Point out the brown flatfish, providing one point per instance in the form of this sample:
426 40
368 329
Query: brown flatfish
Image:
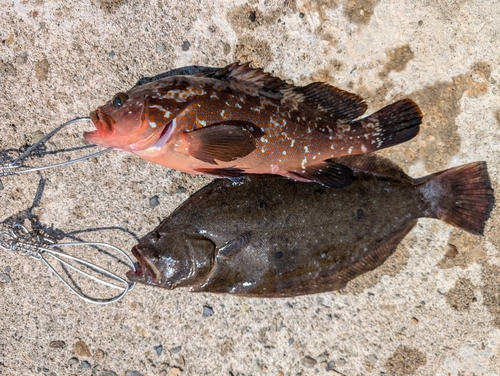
268 236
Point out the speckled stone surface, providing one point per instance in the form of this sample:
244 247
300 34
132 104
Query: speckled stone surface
421 313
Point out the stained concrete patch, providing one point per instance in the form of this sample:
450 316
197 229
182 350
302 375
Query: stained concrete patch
462 295
491 291
328 74
405 361
438 140
320 7
109 6
470 250
449 9
42 69
359 11
10 39
397 58
245 18
249 17
249 48
7 69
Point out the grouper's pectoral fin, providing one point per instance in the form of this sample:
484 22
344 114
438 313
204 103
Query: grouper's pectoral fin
224 143
328 173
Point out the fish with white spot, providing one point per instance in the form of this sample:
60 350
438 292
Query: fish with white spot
216 122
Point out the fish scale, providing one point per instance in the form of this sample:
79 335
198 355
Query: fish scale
239 120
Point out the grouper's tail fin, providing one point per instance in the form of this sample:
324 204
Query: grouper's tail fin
392 125
461 196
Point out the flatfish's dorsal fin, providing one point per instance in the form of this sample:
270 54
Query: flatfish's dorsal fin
373 164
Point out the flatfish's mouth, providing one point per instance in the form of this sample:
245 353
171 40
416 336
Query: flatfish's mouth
137 275
145 271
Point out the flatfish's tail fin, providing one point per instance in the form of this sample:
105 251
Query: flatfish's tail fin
392 125
461 196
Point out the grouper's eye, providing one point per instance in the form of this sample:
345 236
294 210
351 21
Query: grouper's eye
119 99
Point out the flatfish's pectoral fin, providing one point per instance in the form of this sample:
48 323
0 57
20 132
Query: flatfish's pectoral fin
373 258
220 143
226 273
328 173
234 246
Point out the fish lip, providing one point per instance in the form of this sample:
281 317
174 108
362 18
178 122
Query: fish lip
93 135
144 272
103 124
136 275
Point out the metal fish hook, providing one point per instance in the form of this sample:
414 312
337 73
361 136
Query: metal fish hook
19 238
16 166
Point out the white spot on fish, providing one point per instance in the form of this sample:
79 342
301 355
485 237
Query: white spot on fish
349 151
152 124
284 152
306 149
364 149
157 107
293 142
222 113
237 105
203 123
344 127
274 169
304 161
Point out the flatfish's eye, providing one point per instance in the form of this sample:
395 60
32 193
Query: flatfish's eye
119 99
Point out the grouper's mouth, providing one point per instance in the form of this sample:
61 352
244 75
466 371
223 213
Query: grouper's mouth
146 271
103 124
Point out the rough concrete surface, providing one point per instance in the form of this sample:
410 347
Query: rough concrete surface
421 313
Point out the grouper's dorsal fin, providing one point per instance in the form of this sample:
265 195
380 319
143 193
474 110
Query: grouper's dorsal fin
331 102
374 164
264 82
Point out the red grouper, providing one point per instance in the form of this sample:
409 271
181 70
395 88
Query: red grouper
268 236
238 120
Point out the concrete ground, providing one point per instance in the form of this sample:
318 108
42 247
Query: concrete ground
421 313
